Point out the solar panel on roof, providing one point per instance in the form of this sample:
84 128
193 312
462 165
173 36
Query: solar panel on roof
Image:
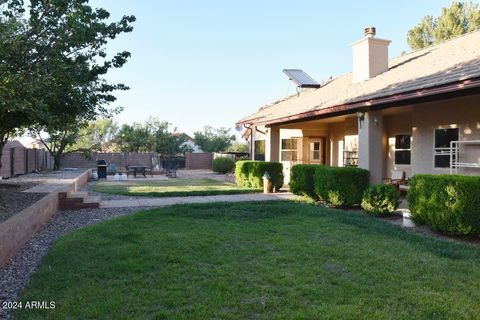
302 79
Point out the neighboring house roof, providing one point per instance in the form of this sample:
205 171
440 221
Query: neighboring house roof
176 134
452 65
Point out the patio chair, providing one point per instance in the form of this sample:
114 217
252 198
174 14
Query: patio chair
111 169
396 179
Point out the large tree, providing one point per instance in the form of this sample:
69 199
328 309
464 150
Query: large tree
459 18
78 136
214 140
53 79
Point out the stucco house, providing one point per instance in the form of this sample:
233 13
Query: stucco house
418 113
189 142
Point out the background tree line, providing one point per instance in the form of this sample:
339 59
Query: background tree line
153 135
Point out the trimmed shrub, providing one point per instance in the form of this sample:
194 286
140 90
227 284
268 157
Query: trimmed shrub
447 203
341 186
380 199
302 180
249 173
223 165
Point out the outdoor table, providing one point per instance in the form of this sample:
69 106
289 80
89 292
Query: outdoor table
138 169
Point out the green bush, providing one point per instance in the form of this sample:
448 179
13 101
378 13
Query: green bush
223 165
380 199
249 173
446 203
341 186
302 180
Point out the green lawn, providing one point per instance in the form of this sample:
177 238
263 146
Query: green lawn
170 187
274 260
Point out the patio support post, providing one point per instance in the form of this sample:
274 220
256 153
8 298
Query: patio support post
370 147
272 144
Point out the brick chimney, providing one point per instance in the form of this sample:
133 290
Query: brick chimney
370 56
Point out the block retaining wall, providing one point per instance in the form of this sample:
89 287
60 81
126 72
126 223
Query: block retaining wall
19 229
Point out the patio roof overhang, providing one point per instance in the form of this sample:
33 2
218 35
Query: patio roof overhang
446 91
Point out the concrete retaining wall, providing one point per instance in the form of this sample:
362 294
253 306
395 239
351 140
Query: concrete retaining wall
19 229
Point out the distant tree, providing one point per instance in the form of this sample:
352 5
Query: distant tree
152 135
214 140
135 138
454 21
98 136
238 146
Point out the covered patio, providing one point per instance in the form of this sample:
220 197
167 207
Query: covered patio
435 137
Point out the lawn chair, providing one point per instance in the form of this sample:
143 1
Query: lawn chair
396 179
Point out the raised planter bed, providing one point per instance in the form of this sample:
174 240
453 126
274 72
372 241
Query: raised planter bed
18 229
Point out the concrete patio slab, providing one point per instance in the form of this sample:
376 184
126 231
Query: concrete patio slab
161 202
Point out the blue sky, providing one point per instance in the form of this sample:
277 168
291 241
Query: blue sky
197 63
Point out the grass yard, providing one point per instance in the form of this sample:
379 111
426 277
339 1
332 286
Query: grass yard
170 187
273 260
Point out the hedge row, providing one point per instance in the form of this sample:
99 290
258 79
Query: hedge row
337 186
446 203
302 180
249 173
341 186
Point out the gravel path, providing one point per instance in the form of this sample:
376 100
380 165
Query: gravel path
15 275
13 200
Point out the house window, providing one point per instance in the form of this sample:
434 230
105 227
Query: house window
289 150
315 151
403 149
259 150
443 137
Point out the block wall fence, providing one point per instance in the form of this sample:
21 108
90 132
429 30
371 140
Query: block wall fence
17 160
20 160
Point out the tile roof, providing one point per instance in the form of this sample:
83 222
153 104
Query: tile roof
449 62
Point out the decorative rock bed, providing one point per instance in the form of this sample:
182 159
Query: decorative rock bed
13 200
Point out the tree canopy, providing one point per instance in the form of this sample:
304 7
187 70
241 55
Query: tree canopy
459 18
214 139
53 62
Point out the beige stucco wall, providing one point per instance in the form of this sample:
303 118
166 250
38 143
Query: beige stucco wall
462 113
421 121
